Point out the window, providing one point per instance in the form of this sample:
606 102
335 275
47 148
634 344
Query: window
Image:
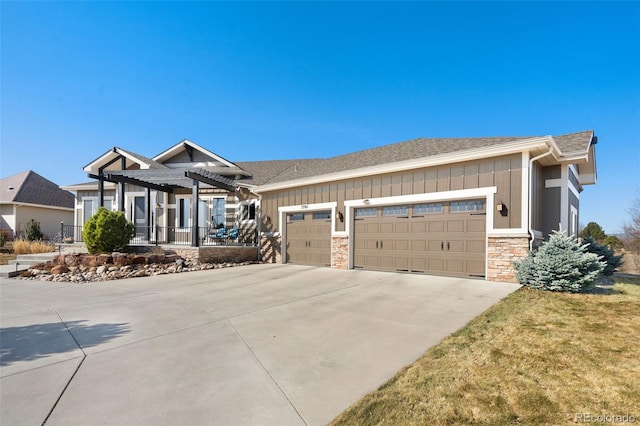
248 211
321 215
466 206
367 212
219 214
296 216
395 211
90 207
427 208
183 213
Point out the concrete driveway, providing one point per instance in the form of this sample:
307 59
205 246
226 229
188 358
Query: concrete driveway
259 344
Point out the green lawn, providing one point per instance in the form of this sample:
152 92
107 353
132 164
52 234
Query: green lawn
534 358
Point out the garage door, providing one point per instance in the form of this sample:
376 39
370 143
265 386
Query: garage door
435 238
309 238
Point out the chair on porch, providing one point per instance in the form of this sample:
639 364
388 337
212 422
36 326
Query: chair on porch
233 234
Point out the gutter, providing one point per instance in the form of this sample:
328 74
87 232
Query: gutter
549 152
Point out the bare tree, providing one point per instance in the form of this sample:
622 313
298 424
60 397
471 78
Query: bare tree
632 232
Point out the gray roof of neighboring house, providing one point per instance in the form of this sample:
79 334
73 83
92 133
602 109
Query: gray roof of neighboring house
31 188
283 170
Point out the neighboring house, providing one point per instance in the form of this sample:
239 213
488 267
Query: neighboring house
457 207
27 196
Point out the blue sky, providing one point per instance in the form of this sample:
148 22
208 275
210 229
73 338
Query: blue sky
267 80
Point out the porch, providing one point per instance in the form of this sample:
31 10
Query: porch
177 236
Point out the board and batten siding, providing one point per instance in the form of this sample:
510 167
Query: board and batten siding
505 173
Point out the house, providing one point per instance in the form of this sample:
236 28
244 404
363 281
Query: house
28 196
457 207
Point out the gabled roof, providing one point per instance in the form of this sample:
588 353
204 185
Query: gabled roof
31 188
208 159
111 160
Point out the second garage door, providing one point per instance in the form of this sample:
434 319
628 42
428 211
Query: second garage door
309 238
435 238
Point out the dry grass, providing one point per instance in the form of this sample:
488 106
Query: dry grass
32 247
534 358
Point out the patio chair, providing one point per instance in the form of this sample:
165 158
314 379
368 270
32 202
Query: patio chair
234 233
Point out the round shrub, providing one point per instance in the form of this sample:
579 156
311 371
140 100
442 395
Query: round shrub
559 264
107 231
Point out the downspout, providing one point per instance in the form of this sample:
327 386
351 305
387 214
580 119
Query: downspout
531 235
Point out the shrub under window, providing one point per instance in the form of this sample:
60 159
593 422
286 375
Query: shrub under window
107 231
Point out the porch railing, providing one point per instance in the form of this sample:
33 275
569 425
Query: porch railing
156 235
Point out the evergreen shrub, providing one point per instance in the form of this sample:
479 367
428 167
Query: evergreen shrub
605 253
32 231
559 264
107 231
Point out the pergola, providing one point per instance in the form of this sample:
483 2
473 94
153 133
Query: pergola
164 180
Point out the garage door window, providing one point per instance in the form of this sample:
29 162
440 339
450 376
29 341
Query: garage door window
427 208
296 216
395 211
368 212
466 206
321 215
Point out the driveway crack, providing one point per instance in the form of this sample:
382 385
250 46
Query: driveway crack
264 367
84 356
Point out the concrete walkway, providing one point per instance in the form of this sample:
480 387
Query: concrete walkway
259 344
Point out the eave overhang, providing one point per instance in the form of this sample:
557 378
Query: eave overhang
534 145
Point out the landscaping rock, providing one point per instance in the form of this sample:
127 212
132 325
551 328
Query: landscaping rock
59 269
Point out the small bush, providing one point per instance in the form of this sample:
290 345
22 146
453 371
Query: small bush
605 253
560 264
32 231
21 246
107 231
3 238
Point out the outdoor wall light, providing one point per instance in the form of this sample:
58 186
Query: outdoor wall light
339 216
366 202
502 208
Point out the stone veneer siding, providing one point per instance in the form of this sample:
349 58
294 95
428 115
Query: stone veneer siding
502 250
270 248
340 252
218 254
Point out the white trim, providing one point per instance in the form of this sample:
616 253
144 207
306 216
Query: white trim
508 231
89 186
486 192
524 190
587 179
435 160
564 197
573 189
553 183
302 208
573 230
42 206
